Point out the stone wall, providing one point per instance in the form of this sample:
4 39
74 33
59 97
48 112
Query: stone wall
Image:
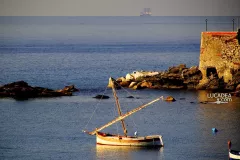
218 58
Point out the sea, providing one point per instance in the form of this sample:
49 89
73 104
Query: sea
54 52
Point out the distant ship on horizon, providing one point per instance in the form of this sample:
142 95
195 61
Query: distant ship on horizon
146 12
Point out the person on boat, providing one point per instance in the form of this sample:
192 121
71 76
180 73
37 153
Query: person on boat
136 134
235 37
229 144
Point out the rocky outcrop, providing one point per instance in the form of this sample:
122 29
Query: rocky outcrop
215 83
112 82
179 77
21 90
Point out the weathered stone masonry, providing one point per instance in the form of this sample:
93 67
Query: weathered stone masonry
218 57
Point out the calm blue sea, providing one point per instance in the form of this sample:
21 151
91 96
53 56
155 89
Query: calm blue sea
85 51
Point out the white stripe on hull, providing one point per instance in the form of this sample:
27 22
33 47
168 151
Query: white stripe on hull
234 156
129 141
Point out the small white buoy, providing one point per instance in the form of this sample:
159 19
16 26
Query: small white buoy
136 134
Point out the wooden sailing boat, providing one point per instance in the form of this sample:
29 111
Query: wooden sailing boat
125 140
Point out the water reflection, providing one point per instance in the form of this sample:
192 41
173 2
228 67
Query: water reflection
128 152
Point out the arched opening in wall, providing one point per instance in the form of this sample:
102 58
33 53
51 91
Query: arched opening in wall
211 72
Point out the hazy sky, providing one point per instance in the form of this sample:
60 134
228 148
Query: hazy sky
119 7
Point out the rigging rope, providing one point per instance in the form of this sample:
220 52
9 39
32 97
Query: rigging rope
126 91
114 114
95 108
135 126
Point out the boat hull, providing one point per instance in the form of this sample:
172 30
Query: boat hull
234 154
115 140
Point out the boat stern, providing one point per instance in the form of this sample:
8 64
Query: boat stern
157 140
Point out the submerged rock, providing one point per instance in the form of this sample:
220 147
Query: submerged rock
130 97
101 97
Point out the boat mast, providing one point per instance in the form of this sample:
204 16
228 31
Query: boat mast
118 105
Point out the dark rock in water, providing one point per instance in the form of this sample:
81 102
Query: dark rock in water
101 97
130 97
21 91
182 98
192 102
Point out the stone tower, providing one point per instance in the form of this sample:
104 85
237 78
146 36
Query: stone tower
218 58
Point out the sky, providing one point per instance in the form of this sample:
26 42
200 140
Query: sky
119 7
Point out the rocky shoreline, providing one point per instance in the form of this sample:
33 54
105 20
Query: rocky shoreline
180 77
21 90
176 77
